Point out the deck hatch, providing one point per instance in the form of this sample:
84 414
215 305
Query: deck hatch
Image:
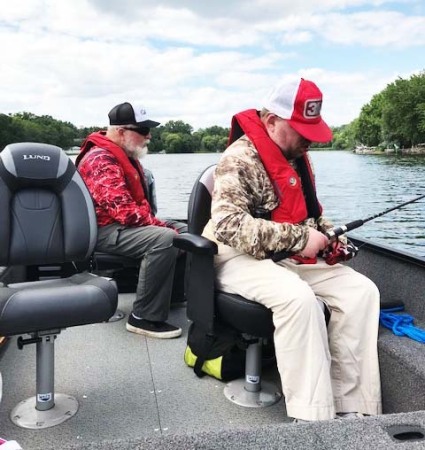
406 433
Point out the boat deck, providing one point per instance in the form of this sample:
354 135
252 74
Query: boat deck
129 387
137 393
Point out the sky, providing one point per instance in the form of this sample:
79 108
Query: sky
201 61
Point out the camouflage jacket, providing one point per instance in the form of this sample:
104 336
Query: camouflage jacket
241 187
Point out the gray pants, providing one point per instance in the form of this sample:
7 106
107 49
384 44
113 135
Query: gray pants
153 246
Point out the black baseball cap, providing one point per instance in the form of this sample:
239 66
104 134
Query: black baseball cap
128 114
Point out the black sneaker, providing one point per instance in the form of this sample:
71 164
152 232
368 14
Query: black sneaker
161 330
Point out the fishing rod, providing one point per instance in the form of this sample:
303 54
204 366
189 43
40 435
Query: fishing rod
338 231
335 232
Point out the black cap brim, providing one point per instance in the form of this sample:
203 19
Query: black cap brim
148 124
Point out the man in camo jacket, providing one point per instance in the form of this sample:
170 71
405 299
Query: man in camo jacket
326 372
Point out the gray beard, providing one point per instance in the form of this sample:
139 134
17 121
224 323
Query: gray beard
140 152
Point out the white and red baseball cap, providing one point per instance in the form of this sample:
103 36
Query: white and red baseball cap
299 102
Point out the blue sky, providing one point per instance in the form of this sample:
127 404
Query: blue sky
201 61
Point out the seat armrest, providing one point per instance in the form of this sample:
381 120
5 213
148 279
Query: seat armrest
193 243
199 278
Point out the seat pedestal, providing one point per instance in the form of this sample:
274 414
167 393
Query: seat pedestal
46 409
252 392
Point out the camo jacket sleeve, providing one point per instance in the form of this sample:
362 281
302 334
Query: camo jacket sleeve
241 187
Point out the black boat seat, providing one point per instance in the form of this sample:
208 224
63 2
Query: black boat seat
35 306
244 315
108 261
206 306
47 217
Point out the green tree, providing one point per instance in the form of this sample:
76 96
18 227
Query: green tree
157 144
44 129
218 131
173 143
177 126
404 111
212 139
83 132
210 143
173 137
368 129
10 132
344 136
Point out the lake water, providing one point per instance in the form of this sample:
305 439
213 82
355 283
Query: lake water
349 187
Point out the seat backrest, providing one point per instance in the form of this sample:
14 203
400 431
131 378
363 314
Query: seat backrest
199 208
46 212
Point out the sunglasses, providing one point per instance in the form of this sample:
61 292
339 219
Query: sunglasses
143 131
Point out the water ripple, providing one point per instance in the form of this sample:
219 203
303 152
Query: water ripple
349 187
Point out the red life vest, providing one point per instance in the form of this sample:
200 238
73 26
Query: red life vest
296 192
133 170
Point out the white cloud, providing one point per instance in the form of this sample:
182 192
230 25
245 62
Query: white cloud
199 62
253 10
370 29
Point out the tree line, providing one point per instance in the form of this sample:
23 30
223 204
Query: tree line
173 137
393 117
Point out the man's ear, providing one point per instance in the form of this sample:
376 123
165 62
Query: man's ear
270 121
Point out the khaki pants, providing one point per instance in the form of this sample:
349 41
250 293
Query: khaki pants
323 370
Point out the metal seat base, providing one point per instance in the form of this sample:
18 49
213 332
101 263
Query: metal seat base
118 315
236 392
25 415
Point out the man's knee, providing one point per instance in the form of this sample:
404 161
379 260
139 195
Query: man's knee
369 294
166 237
299 300
305 302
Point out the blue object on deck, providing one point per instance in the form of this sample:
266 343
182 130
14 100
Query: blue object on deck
401 324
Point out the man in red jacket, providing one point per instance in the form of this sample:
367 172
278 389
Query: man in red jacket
109 165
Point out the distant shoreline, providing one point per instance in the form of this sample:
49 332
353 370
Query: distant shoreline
417 150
